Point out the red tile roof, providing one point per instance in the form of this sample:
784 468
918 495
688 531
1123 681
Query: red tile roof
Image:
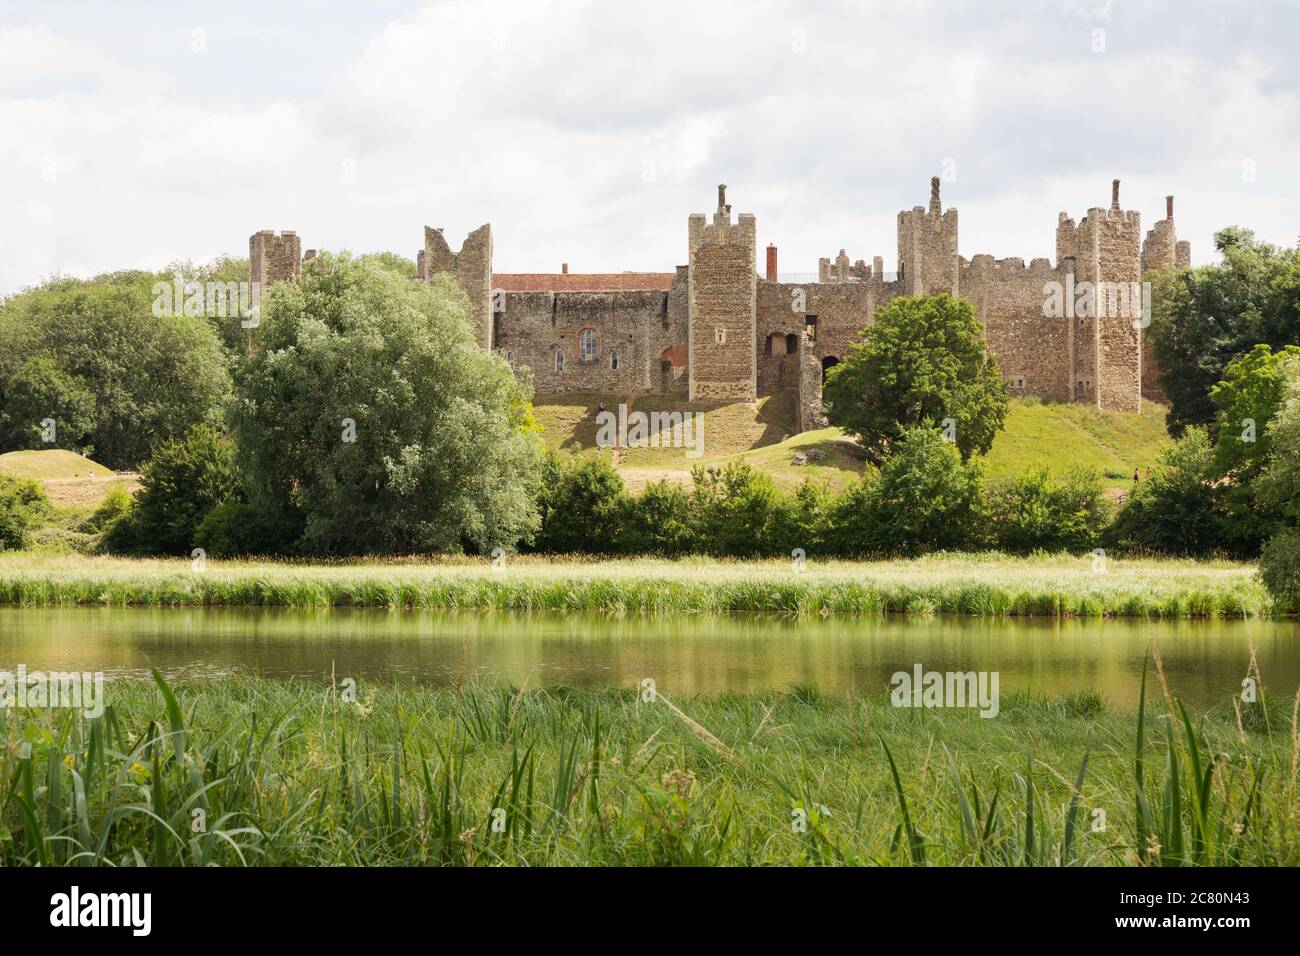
582 282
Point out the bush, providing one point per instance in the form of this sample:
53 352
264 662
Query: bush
658 521
1176 510
733 510
582 505
924 498
1279 568
236 528
23 508
183 481
1035 513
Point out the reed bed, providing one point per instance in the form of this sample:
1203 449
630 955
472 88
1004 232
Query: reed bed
984 585
250 771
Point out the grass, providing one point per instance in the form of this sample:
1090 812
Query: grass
985 585
249 771
1038 434
1063 435
56 463
70 480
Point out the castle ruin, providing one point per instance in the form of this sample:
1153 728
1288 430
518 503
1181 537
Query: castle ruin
716 330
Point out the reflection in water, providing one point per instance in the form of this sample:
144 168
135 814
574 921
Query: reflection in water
1204 660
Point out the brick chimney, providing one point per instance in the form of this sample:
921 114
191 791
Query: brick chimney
1114 194
771 262
564 268
1169 207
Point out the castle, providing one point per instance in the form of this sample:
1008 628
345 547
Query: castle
716 330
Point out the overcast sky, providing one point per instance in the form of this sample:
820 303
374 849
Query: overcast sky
133 134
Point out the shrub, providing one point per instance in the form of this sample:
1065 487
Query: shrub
582 505
1279 568
1177 509
733 510
1035 513
23 508
924 498
183 481
658 521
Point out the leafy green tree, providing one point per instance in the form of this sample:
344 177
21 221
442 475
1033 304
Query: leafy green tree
1036 513
1177 509
369 412
924 360
1248 398
183 481
152 377
1278 488
924 498
582 505
38 391
658 521
23 508
1204 318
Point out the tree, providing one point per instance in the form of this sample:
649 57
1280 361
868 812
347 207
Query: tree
1248 399
1177 509
1278 488
582 505
924 498
40 391
151 377
924 360
1204 318
1036 513
179 485
368 411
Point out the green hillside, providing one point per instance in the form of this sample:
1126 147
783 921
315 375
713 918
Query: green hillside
1037 434
56 463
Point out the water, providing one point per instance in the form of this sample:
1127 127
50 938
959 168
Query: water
1205 661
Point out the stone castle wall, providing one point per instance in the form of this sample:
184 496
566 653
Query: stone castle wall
716 330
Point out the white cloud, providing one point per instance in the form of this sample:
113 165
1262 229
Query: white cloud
587 133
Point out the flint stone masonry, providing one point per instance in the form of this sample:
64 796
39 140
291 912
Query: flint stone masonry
714 329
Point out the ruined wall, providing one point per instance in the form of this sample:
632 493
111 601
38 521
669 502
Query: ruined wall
272 258
1032 351
721 295
810 391
472 270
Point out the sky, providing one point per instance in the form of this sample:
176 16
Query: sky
136 134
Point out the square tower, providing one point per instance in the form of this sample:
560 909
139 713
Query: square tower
927 248
1103 252
722 301
272 258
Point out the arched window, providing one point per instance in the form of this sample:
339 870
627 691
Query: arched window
828 363
559 361
791 344
613 360
587 345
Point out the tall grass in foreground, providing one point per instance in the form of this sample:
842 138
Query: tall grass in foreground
985 585
256 772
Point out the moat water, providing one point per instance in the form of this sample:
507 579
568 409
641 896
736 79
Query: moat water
1205 661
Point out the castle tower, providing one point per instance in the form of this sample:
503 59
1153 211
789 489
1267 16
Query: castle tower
272 258
1105 341
472 270
927 247
722 301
